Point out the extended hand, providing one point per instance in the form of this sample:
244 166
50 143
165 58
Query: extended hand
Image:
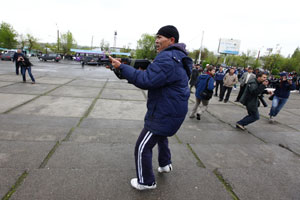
115 62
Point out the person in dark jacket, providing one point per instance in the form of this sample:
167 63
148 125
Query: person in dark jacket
25 64
203 80
253 89
194 76
219 80
281 94
247 76
166 80
15 59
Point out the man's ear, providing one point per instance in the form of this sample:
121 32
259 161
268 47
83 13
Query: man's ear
172 40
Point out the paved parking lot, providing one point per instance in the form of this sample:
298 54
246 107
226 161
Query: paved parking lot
72 135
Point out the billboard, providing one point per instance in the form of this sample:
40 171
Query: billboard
229 46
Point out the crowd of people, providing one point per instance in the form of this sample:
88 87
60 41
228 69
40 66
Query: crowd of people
253 85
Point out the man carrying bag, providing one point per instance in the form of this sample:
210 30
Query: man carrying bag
204 91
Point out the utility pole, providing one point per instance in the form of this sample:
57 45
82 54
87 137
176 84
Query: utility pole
57 38
201 47
115 40
92 42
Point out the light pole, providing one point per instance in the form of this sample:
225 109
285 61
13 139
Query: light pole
201 47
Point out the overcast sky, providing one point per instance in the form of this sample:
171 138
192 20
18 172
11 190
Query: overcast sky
259 24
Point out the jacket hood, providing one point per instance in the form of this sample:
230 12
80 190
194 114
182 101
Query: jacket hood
179 46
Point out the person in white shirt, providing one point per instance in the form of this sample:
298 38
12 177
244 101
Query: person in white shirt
247 76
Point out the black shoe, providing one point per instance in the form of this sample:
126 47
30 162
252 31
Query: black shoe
236 100
225 101
198 116
216 95
220 99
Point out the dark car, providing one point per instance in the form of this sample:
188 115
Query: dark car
89 60
51 56
8 55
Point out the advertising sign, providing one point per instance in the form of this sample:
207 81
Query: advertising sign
229 46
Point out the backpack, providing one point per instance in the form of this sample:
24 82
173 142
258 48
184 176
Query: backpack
206 94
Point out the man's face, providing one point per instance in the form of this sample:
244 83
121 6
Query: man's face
250 71
284 78
221 69
161 42
262 78
19 51
212 72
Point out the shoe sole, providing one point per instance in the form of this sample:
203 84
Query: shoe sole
240 127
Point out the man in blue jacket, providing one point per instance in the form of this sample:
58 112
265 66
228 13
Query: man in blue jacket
281 94
219 79
166 80
204 80
15 59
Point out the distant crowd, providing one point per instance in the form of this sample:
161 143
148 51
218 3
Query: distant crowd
253 84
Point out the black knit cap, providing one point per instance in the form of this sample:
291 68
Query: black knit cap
169 31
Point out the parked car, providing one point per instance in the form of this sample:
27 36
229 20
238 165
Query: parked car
8 55
51 56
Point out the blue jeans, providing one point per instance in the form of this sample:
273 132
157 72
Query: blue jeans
277 105
23 71
252 116
143 155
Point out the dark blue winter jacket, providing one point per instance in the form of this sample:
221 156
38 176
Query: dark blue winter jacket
283 89
166 80
201 84
219 76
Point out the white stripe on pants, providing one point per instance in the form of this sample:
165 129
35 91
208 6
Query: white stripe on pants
140 151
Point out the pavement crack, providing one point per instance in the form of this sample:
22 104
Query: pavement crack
47 158
44 94
226 184
86 114
15 186
288 148
199 162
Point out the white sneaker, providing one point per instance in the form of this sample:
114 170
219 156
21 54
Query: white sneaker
192 116
136 185
271 119
165 169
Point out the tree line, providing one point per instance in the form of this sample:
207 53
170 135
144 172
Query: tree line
10 39
274 63
145 49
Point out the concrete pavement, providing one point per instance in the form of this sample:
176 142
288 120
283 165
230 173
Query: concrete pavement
72 135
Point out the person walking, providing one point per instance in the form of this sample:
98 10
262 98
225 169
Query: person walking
247 76
219 76
228 82
194 76
250 99
25 65
281 95
15 59
205 81
167 82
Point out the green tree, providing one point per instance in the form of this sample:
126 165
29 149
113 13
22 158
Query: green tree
67 42
23 41
8 36
146 47
104 45
32 42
